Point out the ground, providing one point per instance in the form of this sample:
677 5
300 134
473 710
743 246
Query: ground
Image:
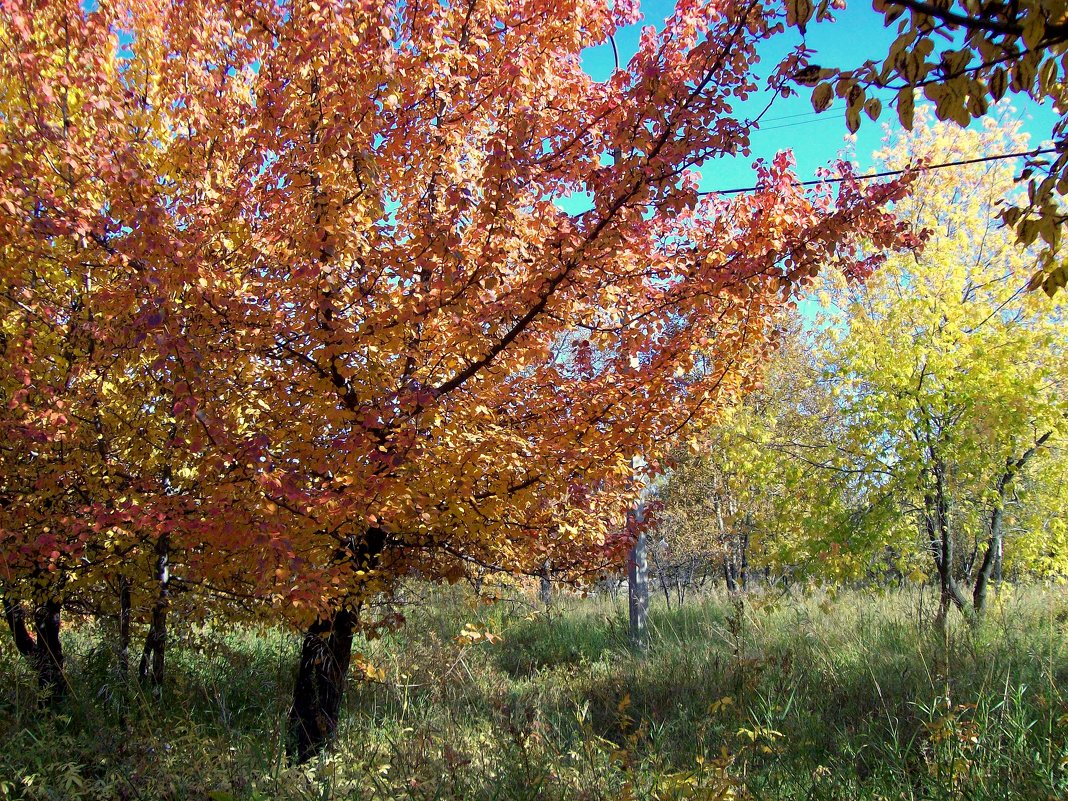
781 696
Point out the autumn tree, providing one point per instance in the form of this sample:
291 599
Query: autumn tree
951 378
341 266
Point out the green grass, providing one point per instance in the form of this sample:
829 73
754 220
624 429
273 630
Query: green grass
823 697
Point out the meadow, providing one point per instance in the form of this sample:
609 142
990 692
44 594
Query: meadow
847 695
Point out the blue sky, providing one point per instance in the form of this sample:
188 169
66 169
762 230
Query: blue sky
816 140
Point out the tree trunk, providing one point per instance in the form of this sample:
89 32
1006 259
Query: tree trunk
949 592
638 586
729 574
990 558
545 590
125 615
706 569
325 655
969 563
743 559
151 668
686 584
324 665
949 595
995 543
662 579
43 648
47 619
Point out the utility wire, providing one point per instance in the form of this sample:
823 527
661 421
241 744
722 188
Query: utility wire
832 107
793 116
825 117
891 173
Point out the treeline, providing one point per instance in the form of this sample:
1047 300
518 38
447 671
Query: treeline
909 428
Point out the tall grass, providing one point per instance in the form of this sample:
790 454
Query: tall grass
824 696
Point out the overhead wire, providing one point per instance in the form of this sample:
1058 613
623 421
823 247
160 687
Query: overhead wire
892 173
792 116
835 106
830 116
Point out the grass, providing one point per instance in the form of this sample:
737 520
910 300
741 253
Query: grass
843 696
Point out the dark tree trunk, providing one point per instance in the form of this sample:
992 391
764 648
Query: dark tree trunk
949 595
663 578
938 525
324 665
684 585
125 615
969 563
706 569
43 648
743 560
47 619
990 558
545 590
325 655
15 615
152 667
729 574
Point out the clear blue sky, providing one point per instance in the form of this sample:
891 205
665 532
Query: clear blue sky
791 124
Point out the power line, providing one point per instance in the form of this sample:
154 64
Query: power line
791 116
824 117
891 173
835 106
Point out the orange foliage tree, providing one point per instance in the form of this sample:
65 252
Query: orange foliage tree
297 301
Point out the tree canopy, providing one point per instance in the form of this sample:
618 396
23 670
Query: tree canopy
293 306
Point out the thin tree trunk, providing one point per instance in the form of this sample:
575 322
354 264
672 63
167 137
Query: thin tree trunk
685 581
969 563
729 575
545 591
743 559
638 585
992 556
43 648
949 592
125 615
705 571
152 666
662 579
